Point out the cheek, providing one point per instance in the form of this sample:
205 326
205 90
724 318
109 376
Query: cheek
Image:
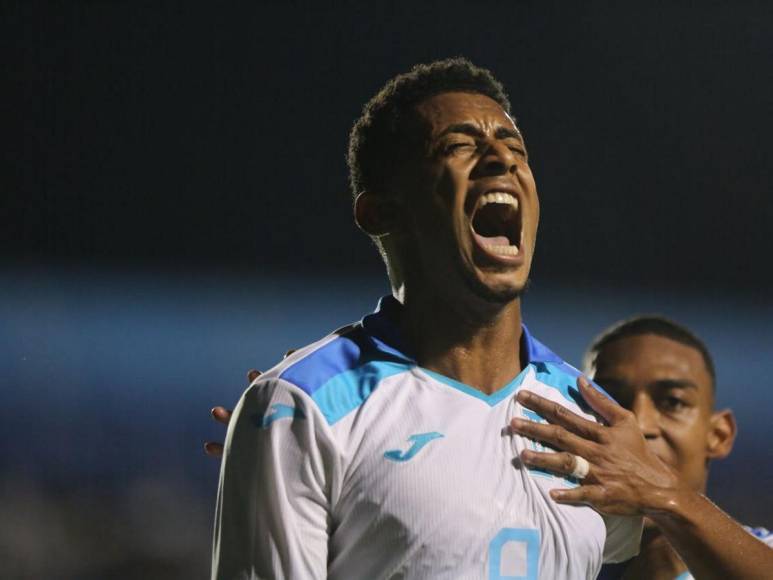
526 181
688 443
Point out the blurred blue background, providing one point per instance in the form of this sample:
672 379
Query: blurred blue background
108 379
174 211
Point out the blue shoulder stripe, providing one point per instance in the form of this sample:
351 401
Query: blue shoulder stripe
338 356
563 377
341 375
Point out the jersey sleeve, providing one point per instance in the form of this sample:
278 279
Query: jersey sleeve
623 537
277 478
762 534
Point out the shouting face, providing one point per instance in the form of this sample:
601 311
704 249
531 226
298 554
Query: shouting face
469 198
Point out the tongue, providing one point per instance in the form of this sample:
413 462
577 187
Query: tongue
493 240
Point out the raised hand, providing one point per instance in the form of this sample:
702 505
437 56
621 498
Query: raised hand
622 475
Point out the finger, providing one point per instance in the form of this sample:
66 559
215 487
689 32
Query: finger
252 374
553 435
561 463
609 409
213 449
582 494
557 414
221 415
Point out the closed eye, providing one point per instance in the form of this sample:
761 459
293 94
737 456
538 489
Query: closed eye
458 147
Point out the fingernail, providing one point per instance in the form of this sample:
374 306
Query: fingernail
518 423
556 493
527 456
524 396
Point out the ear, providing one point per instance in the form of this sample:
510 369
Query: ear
721 436
377 215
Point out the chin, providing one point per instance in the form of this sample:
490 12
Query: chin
495 293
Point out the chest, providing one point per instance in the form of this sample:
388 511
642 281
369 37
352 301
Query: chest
428 466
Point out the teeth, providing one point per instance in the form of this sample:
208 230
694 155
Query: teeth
499 197
503 250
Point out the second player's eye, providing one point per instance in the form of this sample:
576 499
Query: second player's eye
672 403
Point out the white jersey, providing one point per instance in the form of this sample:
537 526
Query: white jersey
348 460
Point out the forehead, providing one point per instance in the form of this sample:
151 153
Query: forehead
445 109
650 357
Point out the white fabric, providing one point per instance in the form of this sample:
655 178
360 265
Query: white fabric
417 480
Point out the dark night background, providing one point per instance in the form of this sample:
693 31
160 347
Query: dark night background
174 210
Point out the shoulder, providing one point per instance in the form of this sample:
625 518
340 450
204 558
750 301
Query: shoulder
560 378
334 375
554 372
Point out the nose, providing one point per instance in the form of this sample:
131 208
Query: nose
496 160
647 415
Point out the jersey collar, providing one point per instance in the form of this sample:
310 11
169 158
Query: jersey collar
383 326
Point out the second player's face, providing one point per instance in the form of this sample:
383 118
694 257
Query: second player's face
472 196
667 386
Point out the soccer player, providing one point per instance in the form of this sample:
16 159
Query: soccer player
664 374
382 449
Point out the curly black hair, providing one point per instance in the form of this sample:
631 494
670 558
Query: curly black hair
378 139
649 324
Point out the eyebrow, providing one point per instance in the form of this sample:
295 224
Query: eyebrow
474 131
675 384
615 384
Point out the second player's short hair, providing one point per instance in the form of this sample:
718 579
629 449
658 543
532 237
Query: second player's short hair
378 136
648 324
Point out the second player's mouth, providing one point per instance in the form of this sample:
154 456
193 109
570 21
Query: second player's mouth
496 224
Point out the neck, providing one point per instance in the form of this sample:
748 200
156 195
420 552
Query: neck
474 342
657 560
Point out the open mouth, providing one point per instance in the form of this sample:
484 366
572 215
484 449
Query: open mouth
496 223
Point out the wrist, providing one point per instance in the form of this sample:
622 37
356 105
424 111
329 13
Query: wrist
677 504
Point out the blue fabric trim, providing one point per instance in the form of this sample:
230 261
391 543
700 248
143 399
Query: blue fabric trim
336 357
492 399
538 352
560 379
382 326
346 391
563 377
279 411
342 374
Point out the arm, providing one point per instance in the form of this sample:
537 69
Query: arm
710 542
626 478
273 499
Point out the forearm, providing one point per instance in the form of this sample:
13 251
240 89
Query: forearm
710 542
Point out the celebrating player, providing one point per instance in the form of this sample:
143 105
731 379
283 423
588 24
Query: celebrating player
664 374
381 450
